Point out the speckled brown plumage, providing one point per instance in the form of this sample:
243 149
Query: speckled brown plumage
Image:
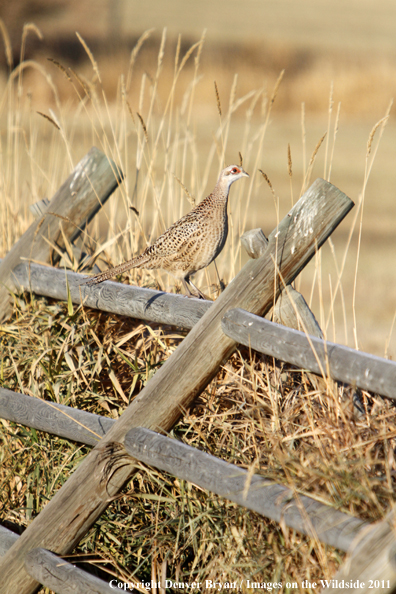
191 243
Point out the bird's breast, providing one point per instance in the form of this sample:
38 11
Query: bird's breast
212 241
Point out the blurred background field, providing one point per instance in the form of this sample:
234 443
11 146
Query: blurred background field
339 54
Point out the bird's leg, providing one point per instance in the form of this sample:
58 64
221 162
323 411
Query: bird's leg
199 293
187 289
186 282
221 282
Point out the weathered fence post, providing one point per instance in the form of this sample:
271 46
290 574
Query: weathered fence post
290 309
75 203
82 499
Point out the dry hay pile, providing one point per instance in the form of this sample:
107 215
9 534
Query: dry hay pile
257 413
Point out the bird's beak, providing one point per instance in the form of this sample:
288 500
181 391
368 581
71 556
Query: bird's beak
244 173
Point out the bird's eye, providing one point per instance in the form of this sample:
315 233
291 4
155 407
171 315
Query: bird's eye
235 170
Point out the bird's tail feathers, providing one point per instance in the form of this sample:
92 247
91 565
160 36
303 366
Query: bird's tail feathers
137 262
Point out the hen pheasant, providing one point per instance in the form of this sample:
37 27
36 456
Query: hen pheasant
191 243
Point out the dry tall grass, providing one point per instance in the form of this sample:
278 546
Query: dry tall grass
260 415
256 413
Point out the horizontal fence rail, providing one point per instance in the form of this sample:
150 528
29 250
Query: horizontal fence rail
53 572
58 419
272 500
7 539
227 480
125 300
362 370
63 577
312 354
137 302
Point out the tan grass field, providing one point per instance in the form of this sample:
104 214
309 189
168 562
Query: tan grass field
320 45
37 159
155 113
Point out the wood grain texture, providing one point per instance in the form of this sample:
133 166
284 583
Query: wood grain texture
67 422
72 207
63 577
126 300
184 462
371 566
173 388
343 364
7 539
255 243
293 311
253 492
290 308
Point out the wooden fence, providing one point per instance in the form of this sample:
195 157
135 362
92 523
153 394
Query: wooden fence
306 351
216 330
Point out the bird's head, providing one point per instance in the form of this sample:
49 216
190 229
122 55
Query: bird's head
230 174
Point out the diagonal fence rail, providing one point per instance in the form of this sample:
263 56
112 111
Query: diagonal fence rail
72 207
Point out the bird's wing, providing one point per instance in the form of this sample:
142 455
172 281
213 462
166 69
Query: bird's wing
176 236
